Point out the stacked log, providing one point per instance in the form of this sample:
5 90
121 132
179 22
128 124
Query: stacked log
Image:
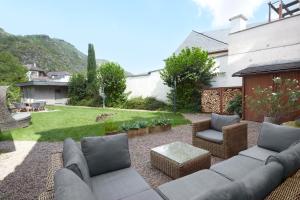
211 101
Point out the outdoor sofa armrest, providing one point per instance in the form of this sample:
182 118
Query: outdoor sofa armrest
235 133
200 126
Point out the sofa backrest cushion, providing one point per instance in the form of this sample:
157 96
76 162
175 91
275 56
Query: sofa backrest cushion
74 160
230 191
263 180
276 137
68 186
218 121
106 153
289 159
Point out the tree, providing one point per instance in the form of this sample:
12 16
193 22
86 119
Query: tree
11 72
187 73
77 88
111 76
91 71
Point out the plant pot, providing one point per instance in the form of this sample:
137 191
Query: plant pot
112 133
272 120
156 129
137 132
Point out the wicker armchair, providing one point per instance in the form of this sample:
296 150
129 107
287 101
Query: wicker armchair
234 139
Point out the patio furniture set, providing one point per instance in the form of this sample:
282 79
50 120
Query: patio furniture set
26 107
269 170
11 120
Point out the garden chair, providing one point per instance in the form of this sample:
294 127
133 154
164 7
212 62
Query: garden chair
224 136
20 107
35 106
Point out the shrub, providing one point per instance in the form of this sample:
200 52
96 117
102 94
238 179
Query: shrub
148 103
160 122
235 105
143 124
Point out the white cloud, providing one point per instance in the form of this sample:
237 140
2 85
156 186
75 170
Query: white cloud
222 10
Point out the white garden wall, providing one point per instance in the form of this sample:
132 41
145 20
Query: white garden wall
147 85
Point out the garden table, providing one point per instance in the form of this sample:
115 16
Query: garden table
179 159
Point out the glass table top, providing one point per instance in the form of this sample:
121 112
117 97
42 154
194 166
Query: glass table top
179 152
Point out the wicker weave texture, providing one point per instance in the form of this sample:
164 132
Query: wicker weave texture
234 139
176 170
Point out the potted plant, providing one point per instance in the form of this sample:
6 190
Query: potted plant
275 102
135 128
160 125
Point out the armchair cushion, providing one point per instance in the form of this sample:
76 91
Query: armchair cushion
276 137
74 160
68 186
211 135
218 121
289 159
106 153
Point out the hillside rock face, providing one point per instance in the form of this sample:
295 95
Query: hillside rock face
48 53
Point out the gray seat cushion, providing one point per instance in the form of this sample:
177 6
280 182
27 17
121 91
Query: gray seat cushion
191 186
258 153
263 180
277 138
145 195
118 184
68 186
106 153
74 160
236 167
289 159
211 135
218 121
230 191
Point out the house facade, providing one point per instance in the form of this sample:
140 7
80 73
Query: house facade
51 87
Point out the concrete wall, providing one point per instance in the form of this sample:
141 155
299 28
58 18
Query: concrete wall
148 85
269 43
50 94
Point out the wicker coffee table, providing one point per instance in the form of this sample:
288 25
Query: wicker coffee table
179 159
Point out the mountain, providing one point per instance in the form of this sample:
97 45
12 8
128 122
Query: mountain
50 54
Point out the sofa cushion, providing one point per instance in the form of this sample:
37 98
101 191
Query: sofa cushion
68 186
191 186
118 184
236 167
263 180
211 135
258 153
218 121
276 137
289 159
230 191
74 160
107 153
145 195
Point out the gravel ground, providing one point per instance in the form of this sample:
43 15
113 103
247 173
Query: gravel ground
23 171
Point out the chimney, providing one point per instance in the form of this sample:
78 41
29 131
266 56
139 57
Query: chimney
238 23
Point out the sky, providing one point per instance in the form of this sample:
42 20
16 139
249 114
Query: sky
137 34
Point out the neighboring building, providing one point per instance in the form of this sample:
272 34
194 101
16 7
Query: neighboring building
268 50
51 87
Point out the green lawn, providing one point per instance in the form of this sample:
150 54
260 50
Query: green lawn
77 122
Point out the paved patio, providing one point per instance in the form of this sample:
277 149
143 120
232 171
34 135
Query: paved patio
24 170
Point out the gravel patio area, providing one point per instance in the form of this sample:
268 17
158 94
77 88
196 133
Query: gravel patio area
23 171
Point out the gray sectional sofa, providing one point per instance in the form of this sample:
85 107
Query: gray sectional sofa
101 170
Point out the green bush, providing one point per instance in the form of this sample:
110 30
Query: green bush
148 103
187 73
235 105
161 122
